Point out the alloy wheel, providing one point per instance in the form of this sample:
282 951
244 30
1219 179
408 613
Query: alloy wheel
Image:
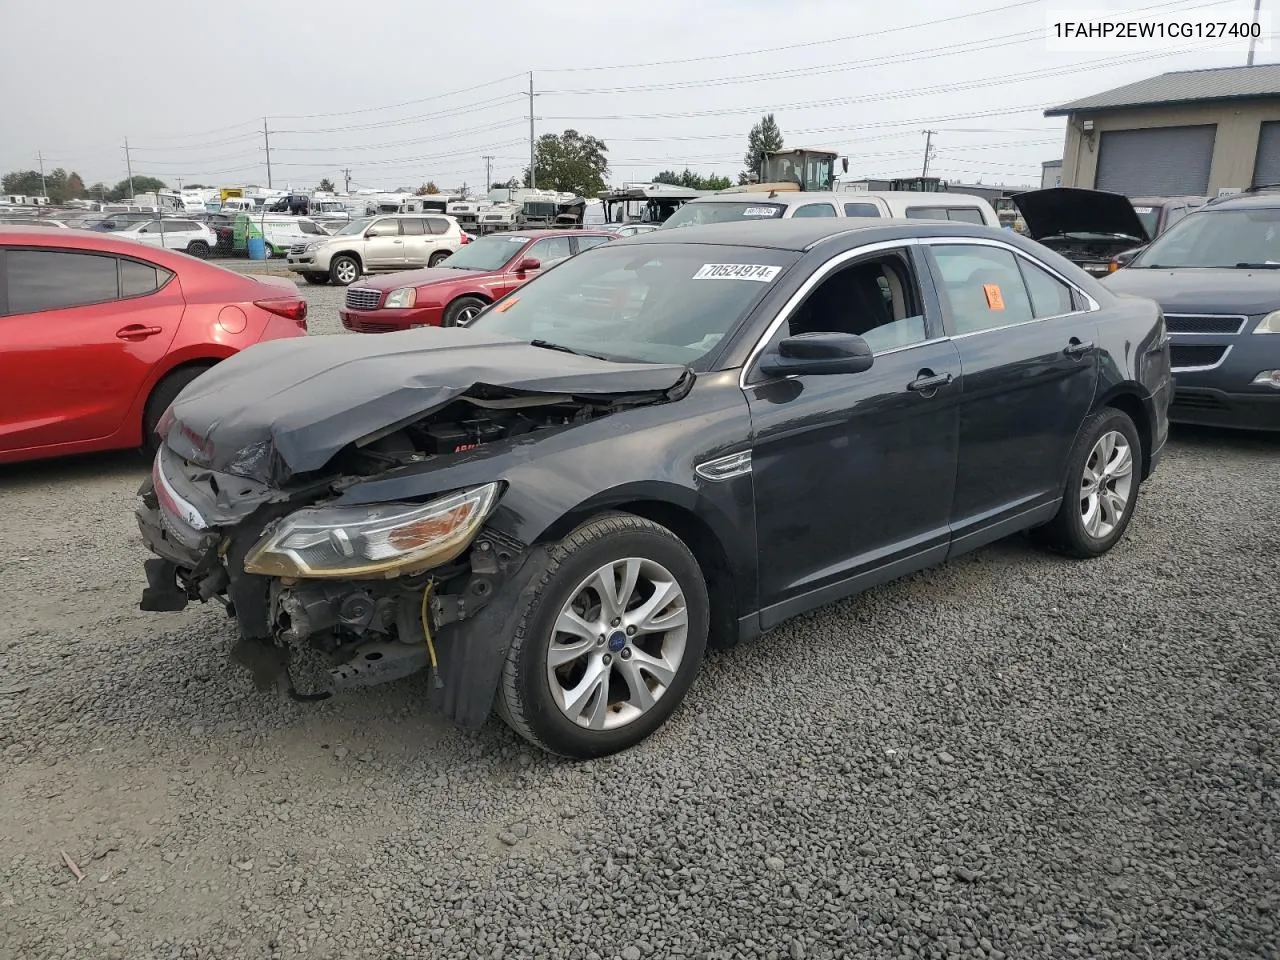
347 272
468 313
618 643
1106 485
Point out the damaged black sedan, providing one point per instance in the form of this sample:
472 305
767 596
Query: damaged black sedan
665 442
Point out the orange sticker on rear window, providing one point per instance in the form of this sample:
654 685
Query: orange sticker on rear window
994 298
506 305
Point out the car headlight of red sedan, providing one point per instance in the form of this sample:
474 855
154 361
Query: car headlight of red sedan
401 298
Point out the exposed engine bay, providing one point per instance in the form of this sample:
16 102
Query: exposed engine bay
1093 253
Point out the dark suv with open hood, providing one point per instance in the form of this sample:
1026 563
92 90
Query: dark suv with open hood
1217 276
1093 227
674 439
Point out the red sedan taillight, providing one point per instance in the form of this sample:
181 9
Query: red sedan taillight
291 308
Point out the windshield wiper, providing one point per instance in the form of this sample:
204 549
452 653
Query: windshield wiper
548 345
1265 265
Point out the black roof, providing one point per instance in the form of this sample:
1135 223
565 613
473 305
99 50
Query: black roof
801 233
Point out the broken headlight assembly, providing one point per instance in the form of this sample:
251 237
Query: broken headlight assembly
379 541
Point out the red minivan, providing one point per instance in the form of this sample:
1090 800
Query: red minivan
99 334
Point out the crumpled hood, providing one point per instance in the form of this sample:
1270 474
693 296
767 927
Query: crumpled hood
286 407
1201 290
1059 210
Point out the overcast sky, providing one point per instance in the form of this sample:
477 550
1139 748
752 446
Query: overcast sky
403 91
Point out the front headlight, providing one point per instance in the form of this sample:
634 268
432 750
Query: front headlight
1269 324
382 541
404 297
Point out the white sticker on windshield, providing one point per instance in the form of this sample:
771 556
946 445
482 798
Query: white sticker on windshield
737 271
760 212
1142 209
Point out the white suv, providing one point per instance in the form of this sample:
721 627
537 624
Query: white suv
382 244
195 238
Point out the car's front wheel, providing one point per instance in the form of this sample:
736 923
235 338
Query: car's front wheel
610 641
1103 475
344 270
462 311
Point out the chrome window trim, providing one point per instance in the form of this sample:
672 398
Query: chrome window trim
1212 366
1092 305
1210 316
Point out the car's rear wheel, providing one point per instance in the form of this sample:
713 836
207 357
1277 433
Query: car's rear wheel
198 249
1103 476
462 311
437 258
318 279
344 270
610 640
162 395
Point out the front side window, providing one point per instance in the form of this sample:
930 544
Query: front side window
55 279
983 287
384 228
815 210
656 303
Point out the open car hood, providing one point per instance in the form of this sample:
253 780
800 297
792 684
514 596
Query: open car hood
1060 210
286 407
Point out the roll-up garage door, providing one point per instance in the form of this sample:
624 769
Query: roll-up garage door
1156 162
1266 169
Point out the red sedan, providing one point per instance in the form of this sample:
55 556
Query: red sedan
462 286
98 335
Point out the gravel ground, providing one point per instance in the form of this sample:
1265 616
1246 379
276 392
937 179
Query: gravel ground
1012 756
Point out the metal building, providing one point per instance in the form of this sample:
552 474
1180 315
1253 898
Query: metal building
1194 132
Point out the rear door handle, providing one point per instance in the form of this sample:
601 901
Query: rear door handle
1076 349
927 382
136 331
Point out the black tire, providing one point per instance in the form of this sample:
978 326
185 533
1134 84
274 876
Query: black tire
1066 532
462 309
437 258
336 265
198 249
525 700
163 394
316 279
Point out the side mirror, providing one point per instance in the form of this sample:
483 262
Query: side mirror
816 354
528 264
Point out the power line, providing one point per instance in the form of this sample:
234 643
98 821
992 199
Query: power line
396 106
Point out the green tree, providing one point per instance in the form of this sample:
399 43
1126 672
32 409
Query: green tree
427 189
570 163
25 182
75 186
326 186
98 191
765 137
141 184
693 181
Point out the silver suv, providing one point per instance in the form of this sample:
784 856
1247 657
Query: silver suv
382 244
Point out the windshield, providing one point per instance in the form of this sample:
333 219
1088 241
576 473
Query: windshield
1220 238
487 253
354 227
724 211
653 303
1149 216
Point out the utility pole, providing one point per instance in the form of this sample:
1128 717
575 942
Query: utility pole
488 159
128 162
346 175
267 138
44 188
928 150
179 184
1253 41
533 170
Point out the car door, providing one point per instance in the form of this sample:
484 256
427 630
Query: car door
418 241
854 473
383 245
81 333
1026 339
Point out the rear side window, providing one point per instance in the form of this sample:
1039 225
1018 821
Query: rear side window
1050 297
437 226
412 228
927 213
139 279
815 210
55 279
966 215
861 210
586 243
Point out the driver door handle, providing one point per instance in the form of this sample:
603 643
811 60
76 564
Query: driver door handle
1076 349
927 381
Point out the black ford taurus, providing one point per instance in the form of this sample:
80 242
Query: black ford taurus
678 439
